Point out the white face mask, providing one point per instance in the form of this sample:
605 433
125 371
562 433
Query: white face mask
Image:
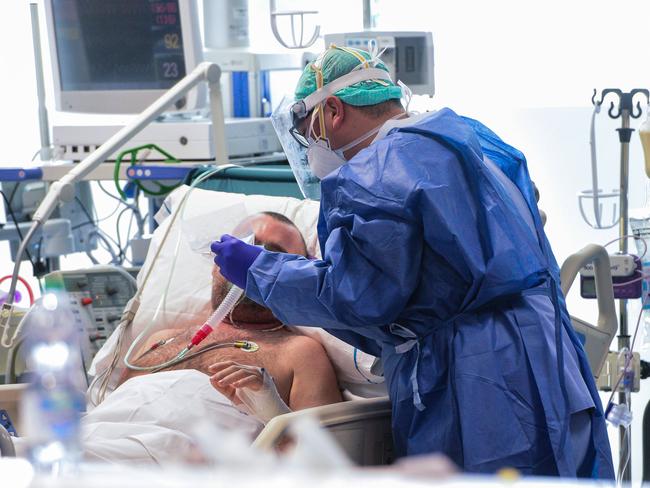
323 159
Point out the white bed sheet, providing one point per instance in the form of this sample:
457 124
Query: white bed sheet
151 418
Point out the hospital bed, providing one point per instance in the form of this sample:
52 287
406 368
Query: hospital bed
361 426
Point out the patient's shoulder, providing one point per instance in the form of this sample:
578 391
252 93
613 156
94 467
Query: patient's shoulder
302 344
314 381
303 349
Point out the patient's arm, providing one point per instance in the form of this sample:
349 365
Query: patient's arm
314 382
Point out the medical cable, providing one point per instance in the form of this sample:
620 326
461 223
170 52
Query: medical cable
106 245
134 208
625 441
155 346
83 224
135 160
127 317
629 354
8 305
105 237
244 345
117 207
624 374
638 322
30 292
135 213
629 236
356 366
13 193
12 355
639 277
13 217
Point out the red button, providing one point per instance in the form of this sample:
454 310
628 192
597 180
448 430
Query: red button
86 301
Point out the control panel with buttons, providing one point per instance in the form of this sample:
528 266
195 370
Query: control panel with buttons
97 297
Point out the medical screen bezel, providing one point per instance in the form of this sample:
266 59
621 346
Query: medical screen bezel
131 100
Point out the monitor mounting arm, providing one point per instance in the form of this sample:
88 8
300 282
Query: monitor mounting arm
63 190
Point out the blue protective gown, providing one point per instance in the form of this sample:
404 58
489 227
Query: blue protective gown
428 263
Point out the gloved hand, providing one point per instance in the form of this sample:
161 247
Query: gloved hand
234 257
249 388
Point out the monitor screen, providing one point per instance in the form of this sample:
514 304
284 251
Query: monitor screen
105 45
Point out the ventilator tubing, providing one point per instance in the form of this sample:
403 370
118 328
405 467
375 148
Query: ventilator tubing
218 315
228 303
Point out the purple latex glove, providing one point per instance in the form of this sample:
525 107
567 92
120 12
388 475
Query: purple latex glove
234 257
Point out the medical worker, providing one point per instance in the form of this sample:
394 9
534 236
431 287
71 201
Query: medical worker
433 259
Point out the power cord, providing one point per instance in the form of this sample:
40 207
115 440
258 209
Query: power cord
13 216
94 221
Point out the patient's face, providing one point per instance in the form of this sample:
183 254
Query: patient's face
275 236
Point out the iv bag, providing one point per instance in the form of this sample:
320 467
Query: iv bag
644 134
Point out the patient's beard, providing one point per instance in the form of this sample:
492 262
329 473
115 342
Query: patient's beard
246 311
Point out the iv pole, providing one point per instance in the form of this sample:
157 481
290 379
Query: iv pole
626 110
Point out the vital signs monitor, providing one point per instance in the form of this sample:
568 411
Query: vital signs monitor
118 56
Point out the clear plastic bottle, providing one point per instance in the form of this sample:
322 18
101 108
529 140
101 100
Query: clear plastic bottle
54 400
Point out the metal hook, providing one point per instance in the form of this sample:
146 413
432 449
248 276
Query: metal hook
593 98
625 101
639 111
611 111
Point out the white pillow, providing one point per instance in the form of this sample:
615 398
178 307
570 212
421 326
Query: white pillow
189 290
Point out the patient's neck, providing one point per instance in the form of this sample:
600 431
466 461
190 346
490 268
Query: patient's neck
253 323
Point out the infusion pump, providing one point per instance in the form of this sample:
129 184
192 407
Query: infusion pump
97 296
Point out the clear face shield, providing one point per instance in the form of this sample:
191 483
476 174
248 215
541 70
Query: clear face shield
284 120
288 115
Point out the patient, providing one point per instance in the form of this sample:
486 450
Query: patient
298 366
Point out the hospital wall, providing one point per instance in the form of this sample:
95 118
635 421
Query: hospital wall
525 68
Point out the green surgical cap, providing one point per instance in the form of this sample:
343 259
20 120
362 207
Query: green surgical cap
336 62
